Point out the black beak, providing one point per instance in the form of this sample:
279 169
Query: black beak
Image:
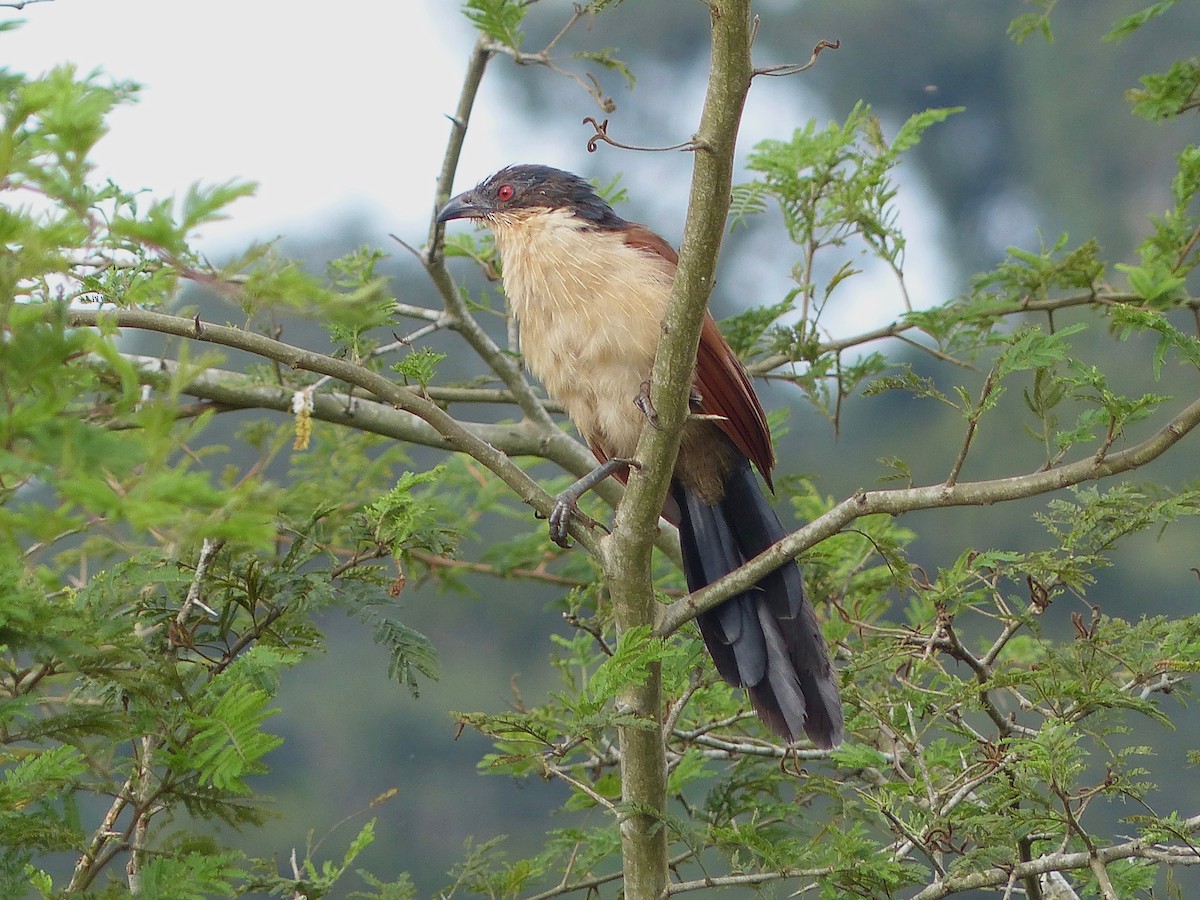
464 206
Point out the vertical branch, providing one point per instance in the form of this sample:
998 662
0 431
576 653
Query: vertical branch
141 787
626 554
480 55
100 850
208 552
434 258
972 423
1103 883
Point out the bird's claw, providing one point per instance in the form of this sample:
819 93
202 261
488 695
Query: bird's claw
566 504
566 508
643 402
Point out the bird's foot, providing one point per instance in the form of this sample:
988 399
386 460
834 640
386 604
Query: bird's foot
566 504
565 509
643 402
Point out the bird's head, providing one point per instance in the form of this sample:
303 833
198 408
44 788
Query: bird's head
520 191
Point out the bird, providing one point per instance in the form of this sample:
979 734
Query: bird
590 292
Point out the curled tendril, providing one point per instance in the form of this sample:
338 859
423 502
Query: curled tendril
797 68
602 135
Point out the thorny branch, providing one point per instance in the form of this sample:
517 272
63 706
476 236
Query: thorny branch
900 500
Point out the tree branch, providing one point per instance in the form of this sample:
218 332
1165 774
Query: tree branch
746 879
543 58
434 258
902 500
901 326
456 436
1138 848
238 391
208 553
626 553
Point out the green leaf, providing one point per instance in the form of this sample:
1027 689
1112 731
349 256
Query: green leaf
1131 320
1131 23
203 205
630 664
1033 348
191 876
498 19
408 517
227 743
412 654
1026 25
607 57
1167 94
917 124
419 365
1155 283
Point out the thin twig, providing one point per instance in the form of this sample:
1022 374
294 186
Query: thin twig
996 313
87 867
597 798
435 562
745 880
899 500
989 384
601 129
208 552
543 58
797 68
495 357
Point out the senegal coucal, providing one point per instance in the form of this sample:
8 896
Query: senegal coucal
590 291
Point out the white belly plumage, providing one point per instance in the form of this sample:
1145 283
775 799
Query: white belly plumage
584 321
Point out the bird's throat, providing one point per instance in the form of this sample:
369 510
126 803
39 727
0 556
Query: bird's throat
591 309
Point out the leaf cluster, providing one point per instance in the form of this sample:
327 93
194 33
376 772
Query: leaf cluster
154 589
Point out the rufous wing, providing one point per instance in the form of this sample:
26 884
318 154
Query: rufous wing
721 380
725 391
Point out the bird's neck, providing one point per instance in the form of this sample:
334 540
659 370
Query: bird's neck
558 265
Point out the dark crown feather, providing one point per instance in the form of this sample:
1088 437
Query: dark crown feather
545 186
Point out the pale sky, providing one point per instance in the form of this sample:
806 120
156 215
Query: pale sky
338 111
330 107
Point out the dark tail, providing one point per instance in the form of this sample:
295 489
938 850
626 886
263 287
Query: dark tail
767 639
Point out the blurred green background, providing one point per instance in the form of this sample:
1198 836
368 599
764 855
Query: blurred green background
1046 145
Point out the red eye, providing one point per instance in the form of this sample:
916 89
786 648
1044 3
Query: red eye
505 192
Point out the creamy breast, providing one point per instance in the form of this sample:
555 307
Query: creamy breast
583 298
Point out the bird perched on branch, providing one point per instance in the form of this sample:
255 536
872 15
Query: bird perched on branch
590 291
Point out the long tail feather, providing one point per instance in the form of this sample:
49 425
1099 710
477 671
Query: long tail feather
766 639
